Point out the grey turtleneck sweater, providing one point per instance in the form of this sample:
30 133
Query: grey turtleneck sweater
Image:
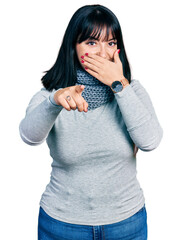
93 179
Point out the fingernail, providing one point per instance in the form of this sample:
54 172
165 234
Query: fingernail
119 51
82 57
86 54
82 61
86 68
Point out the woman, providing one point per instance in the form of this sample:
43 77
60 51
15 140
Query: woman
94 117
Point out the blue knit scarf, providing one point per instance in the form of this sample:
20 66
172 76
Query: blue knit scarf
95 92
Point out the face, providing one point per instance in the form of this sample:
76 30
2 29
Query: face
101 47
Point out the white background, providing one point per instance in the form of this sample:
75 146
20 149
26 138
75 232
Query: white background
31 35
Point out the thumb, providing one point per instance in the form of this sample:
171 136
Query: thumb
79 88
116 55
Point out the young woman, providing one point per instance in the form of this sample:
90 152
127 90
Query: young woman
94 118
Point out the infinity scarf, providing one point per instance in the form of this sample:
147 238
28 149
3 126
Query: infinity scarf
95 92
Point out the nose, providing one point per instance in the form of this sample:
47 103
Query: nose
102 51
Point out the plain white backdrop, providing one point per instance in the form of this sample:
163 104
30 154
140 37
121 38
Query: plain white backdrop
31 35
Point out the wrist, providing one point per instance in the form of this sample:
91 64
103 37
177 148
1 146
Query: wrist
53 100
124 83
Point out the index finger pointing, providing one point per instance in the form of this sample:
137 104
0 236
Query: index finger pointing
79 88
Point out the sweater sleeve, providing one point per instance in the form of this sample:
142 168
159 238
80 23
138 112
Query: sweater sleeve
41 114
139 116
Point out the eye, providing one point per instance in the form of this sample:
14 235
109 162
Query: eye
112 44
91 43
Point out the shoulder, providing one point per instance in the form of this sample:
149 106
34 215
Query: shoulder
137 85
41 95
42 92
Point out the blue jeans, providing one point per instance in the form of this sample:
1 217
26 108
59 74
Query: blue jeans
133 228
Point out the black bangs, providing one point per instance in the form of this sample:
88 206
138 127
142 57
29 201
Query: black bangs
95 33
94 26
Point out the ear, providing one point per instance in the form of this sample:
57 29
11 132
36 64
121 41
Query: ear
116 56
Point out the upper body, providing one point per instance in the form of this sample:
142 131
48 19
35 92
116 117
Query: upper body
93 179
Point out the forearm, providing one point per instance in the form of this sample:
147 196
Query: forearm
139 116
36 125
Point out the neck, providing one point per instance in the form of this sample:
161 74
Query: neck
95 92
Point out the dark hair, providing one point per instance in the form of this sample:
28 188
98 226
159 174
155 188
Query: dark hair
87 21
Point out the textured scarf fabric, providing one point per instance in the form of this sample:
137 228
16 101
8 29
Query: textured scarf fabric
95 92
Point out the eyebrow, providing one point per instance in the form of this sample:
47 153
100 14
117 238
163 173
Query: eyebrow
94 38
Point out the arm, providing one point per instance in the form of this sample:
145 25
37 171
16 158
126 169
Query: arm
44 108
139 116
41 114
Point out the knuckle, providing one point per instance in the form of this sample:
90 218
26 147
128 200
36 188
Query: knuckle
74 107
59 98
79 106
79 103
66 93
